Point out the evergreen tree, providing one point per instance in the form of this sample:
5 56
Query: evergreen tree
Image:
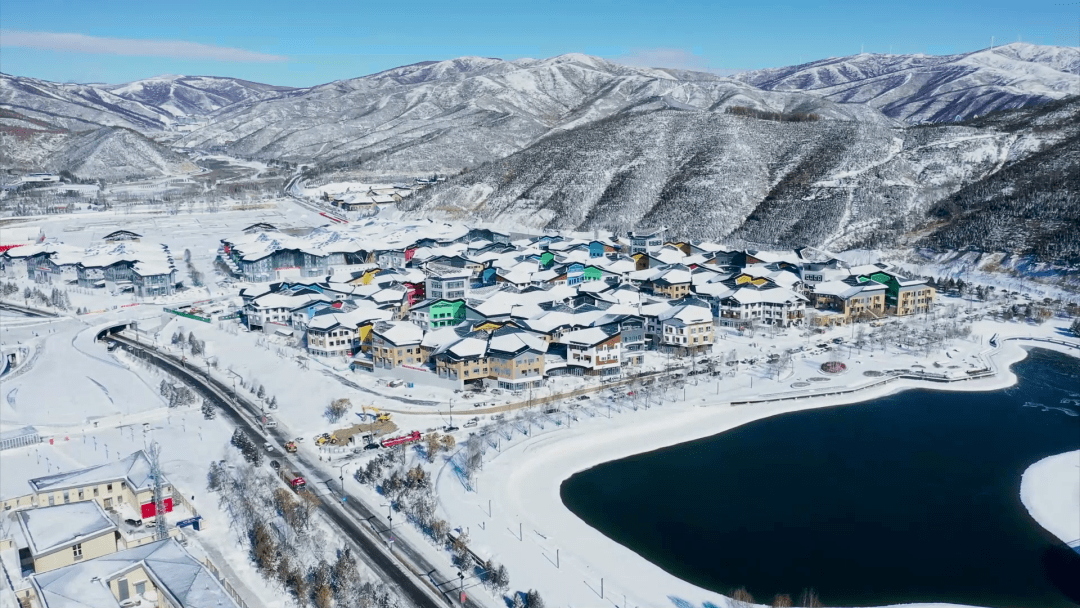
208 411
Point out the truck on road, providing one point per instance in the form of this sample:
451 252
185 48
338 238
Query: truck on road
393 441
293 479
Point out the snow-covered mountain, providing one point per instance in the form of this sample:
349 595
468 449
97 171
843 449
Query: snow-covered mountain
838 152
145 105
929 88
115 153
446 115
194 95
835 184
77 107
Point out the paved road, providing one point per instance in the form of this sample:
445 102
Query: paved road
421 588
33 312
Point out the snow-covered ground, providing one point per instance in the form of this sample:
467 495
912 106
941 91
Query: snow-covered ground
1050 490
95 407
522 482
71 382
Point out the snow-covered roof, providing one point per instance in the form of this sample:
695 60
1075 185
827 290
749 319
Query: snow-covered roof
844 289
147 259
467 347
173 570
586 337
134 469
688 313
514 341
47 529
399 332
776 295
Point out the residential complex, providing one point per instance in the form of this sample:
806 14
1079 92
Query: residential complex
455 306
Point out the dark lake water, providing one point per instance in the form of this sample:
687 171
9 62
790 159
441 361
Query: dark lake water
909 498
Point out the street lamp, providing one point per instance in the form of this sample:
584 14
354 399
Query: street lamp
390 519
341 476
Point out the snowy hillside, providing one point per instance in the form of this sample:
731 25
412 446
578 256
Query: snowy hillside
1032 205
194 95
26 143
928 88
113 153
442 116
77 107
741 179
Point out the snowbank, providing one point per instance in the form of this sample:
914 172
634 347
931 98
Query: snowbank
1050 489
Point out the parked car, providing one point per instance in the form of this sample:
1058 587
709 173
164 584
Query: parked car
133 522
583 398
470 423
113 345
372 446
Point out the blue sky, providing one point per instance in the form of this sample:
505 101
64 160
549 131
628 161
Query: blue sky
307 43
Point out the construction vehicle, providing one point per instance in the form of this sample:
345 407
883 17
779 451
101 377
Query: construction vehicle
378 416
293 479
393 441
290 447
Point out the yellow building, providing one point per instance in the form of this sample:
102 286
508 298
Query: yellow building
159 575
65 534
125 482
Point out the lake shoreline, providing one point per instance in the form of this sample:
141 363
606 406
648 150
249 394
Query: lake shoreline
528 476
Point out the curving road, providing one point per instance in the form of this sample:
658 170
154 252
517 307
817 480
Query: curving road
414 578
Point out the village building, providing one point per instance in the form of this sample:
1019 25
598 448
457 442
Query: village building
161 573
594 351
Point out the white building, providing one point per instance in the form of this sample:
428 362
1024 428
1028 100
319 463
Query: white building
445 283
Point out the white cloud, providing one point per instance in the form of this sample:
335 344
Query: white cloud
81 43
676 58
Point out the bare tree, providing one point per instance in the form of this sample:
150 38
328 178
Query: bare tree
809 599
741 598
337 409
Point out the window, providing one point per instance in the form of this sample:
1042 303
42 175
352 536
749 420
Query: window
108 488
77 550
140 588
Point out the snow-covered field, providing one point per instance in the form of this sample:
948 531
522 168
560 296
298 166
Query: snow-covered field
72 381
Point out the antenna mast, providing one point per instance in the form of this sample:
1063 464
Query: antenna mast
161 530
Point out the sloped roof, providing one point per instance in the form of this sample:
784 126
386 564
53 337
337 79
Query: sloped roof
173 570
399 332
134 470
47 529
514 341
588 336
